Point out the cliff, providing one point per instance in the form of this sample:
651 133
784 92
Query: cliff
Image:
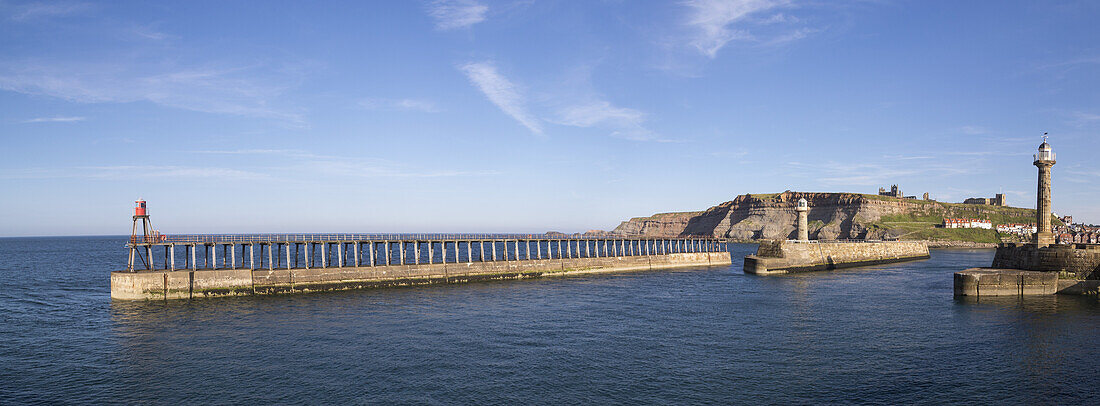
657 225
831 216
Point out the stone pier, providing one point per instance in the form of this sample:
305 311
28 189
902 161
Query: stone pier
306 263
773 257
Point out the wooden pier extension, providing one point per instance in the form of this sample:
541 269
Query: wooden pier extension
264 264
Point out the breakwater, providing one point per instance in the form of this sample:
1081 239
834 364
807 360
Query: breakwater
774 257
1034 269
304 263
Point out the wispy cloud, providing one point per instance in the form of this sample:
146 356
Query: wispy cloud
54 119
1089 173
1079 118
453 14
148 32
287 152
246 90
34 11
621 121
907 157
399 105
1072 62
127 172
501 92
973 130
312 163
183 172
717 22
878 173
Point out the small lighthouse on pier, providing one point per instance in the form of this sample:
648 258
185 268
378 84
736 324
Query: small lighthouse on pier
803 223
1044 160
148 236
140 214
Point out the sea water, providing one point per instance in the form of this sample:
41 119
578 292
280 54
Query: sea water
881 334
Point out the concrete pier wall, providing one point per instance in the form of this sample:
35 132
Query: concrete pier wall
793 256
1004 282
185 284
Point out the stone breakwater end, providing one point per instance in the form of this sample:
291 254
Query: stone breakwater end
1004 282
187 284
776 257
1031 269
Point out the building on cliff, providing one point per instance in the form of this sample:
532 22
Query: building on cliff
998 200
896 192
1020 229
967 223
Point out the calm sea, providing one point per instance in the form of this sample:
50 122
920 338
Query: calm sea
884 334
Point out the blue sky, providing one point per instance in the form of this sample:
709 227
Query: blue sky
484 116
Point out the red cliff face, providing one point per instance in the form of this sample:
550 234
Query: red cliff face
831 216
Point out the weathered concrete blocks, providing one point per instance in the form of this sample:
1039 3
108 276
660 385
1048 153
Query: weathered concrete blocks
1004 282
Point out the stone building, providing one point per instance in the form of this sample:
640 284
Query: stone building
998 200
894 191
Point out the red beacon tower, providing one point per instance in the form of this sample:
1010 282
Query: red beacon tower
148 235
139 208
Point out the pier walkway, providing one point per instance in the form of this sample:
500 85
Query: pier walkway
307 251
185 267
